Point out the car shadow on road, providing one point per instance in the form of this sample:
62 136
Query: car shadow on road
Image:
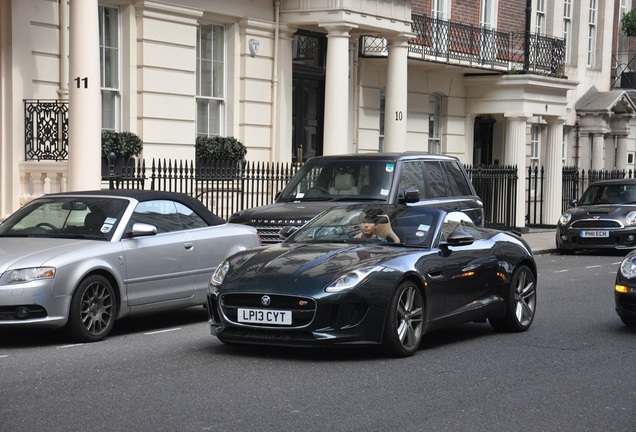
36 337
434 340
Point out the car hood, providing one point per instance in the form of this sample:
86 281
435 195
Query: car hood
287 213
603 211
303 267
20 252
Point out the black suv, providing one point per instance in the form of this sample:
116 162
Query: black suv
325 181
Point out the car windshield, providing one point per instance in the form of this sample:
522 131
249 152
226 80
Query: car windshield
609 194
364 223
340 180
66 217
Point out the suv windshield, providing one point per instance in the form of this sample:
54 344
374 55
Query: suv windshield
341 180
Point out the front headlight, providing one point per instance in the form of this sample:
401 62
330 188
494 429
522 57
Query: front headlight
353 278
630 219
219 274
565 218
26 275
628 267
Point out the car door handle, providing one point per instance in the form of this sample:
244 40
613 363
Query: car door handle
188 246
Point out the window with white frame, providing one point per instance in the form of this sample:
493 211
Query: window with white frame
210 75
622 56
535 146
591 34
567 28
109 67
434 124
540 17
439 11
487 24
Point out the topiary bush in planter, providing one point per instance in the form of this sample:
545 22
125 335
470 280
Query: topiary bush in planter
219 148
117 150
219 157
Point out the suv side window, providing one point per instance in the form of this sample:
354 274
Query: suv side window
412 178
458 183
436 179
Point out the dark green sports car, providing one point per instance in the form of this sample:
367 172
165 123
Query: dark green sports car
374 274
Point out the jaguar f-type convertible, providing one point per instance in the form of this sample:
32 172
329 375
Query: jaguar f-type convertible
374 274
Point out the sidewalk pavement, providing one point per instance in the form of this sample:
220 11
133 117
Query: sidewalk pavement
541 240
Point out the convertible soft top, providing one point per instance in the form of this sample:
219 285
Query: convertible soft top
148 195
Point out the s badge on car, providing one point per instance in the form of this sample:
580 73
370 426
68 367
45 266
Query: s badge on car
266 300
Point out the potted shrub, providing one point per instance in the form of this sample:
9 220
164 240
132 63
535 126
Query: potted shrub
117 149
218 156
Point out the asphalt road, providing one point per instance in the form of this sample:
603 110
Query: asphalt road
572 371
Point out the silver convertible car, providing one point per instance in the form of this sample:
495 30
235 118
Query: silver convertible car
82 260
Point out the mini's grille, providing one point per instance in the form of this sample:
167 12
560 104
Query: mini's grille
597 223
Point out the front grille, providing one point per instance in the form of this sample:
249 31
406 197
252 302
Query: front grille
627 303
269 234
603 241
303 309
597 224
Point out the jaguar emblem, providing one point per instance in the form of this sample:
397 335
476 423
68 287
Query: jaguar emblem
266 300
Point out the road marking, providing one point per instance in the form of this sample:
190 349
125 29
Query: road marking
70 346
562 271
4 356
594 266
163 331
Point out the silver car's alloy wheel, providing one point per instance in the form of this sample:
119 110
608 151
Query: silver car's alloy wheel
521 303
405 321
92 311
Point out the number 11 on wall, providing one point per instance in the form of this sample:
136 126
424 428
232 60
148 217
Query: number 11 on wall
81 82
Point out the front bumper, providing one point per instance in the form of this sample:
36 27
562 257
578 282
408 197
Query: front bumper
571 239
32 305
350 320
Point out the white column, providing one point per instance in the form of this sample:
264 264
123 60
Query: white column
84 97
515 155
553 172
621 151
598 142
396 95
336 123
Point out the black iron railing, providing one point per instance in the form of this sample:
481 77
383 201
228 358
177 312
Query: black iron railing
461 44
623 70
46 129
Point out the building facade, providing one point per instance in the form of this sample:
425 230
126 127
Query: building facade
523 83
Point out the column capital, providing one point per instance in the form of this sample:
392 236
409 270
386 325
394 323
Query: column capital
341 29
517 116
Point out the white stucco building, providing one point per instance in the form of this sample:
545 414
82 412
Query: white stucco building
295 78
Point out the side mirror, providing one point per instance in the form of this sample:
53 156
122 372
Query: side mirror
143 230
287 231
458 238
410 196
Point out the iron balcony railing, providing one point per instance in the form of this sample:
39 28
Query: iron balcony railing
624 70
450 42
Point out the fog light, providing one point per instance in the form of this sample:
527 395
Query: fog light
564 238
630 238
22 312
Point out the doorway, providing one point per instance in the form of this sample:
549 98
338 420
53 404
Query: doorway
482 140
308 95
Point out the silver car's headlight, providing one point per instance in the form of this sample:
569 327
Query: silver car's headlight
219 274
628 267
630 219
26 275
353 278
565 218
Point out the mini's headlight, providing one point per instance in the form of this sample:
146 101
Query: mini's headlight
630 219
565 218
628 267
219 274
26 275
352 279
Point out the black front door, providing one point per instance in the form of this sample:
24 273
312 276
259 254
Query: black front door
308 112
482 141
